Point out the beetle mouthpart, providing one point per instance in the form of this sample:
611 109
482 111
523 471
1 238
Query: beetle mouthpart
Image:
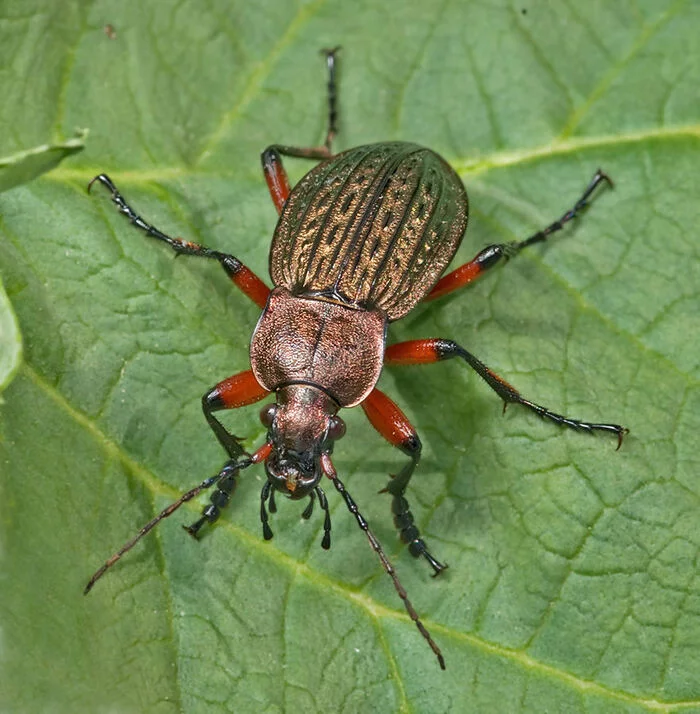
293 475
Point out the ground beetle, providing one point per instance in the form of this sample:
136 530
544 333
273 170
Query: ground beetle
361 240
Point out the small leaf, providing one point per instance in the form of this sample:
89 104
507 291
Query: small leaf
10 341
27 165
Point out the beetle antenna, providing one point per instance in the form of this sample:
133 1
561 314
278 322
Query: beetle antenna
229 468
330 471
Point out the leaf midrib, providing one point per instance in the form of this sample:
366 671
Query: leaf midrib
463 165
375 610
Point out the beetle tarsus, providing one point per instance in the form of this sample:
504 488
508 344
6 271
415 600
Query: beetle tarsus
228 472
193 528
410 535
432 350
392 424
226 482
583 202
249 283
271 158
502 252
436 565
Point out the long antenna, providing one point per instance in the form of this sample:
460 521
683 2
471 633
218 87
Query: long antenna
330 471
207 483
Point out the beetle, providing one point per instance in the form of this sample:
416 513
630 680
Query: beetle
362 239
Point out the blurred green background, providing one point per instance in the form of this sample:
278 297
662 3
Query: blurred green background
573 581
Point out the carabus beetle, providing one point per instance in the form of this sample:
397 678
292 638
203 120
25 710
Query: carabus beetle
361 240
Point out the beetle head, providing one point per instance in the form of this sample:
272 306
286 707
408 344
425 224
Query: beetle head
301 426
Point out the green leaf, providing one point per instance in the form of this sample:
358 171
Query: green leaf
15 170
27 165
10 340
573 581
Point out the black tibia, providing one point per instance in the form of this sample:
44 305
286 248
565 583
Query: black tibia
448 349
493 254
211 402
230 263
226 482
403 518
271 155
386 564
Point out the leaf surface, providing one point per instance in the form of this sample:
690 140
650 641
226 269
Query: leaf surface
27 165
573 582
10 339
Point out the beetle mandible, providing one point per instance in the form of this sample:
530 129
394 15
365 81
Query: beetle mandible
361 240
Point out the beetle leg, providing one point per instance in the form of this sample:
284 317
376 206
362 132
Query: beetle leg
308 511
236 391
493 254
226 483
244 278
264 494
323 502
393 425
329 470
271 503
225 486
276 177
434 350
273 168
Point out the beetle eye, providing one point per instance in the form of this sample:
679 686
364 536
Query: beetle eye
336 428
267 415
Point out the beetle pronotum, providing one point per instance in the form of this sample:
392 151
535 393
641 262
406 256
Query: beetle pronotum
361 240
